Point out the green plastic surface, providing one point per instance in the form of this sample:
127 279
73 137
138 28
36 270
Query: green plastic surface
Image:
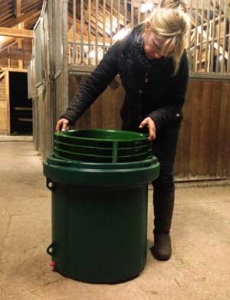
100 203
100 145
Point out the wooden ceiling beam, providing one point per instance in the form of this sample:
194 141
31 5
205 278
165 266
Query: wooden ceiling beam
17 8
17 33
21 18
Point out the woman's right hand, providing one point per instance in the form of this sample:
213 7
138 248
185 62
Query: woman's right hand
151 127
62 124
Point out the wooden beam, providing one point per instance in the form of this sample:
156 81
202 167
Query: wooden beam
21 18
17 8
7 45
2 75
20 61
16 55
17 33
86 41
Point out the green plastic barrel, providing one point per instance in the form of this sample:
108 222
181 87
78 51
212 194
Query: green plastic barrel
99 184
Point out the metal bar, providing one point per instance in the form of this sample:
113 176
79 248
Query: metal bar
74 31
201 35
104 31
111 21
132 14
82 30
228 66
125 13
89 31
118 16
195 39
213 36
218 40
224 37
207 56
189 36
96 40
65 92
139 12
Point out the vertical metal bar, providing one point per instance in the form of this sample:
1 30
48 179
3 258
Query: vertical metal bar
139 12
111 21
201 34
74 31
218 39
224 37
82 31
189 35
96 38
118 15
195 40
104 31
228 65
65 80
207 57
132 14
125 13
89 31
213 35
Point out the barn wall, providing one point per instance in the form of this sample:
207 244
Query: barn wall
204 145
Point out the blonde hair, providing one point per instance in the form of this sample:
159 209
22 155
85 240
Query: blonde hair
180 4
171 26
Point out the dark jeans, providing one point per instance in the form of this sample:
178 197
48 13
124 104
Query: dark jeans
164 148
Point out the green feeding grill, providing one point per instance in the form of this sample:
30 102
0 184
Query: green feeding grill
103 146
99 183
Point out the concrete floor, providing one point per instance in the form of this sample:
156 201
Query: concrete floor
199 268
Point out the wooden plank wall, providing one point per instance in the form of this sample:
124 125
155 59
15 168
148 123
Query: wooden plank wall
4 103
204 144
104 113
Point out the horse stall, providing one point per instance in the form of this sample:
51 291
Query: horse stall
71 38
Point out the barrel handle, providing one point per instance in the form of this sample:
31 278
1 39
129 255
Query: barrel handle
50 185
50 249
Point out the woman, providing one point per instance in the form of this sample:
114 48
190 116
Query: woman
153 68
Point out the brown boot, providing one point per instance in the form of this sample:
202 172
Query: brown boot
162 249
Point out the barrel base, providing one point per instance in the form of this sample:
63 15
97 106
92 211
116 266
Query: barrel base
99 234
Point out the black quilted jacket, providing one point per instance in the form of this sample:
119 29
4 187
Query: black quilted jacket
155 93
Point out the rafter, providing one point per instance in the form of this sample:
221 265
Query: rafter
7 44
17 33
17 8
21 18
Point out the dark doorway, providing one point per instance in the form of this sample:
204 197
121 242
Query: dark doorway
20 105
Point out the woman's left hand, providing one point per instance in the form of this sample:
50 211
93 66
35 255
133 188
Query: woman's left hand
151 126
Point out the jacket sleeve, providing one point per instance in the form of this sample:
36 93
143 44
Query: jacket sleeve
176 91
94 85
